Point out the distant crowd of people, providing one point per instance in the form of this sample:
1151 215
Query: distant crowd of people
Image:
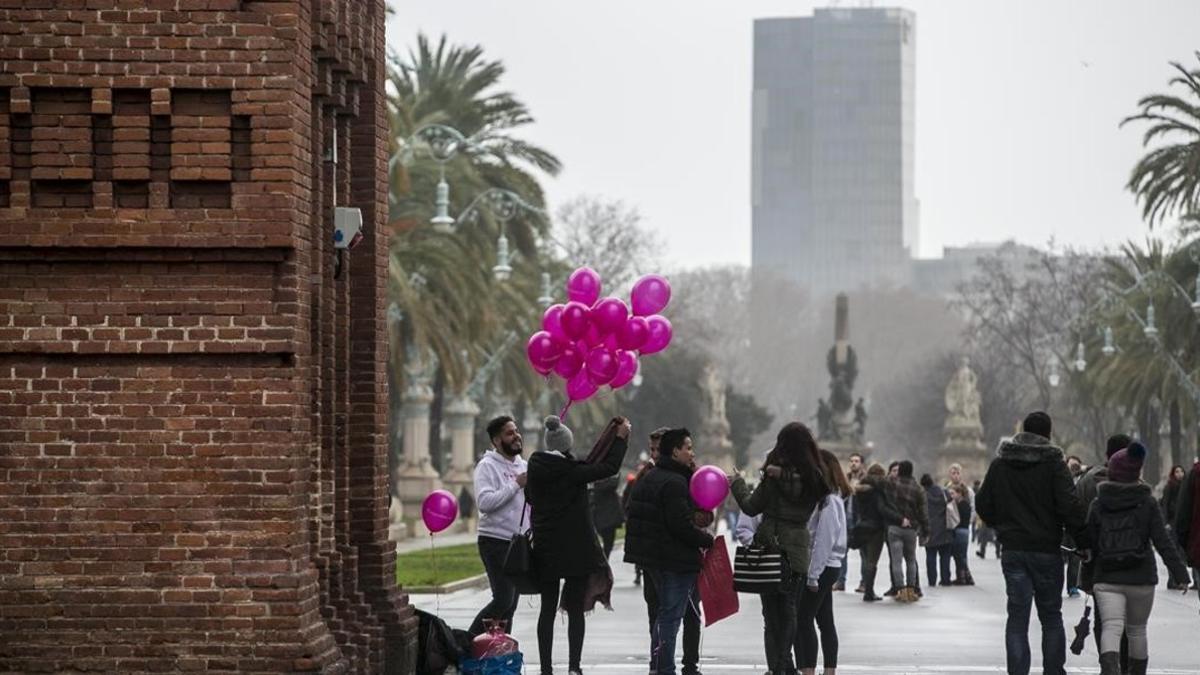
1055 525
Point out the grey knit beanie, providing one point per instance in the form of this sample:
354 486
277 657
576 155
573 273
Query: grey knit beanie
558 436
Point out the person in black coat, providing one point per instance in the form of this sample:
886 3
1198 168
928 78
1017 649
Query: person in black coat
662 538
875 511
1029 498
607 513
565 543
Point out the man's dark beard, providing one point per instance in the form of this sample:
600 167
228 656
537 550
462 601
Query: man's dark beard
507 449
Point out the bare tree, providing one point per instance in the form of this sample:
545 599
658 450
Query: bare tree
608 236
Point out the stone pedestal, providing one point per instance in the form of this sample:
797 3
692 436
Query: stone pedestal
964 448
460 421
416 478
397 529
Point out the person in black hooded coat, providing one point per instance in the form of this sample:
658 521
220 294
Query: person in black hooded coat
566 547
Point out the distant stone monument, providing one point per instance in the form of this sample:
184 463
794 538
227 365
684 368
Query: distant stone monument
963 429
841 425
712 442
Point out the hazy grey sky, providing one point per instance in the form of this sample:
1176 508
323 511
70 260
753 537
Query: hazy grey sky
1018 103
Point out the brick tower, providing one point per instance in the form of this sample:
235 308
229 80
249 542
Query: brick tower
193 401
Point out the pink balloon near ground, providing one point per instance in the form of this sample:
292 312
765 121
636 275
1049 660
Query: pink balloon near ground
709 487
609 315
569 363
651 294
575 320
584 286
660 333
601 366
552 322
627 367
439 510
580 388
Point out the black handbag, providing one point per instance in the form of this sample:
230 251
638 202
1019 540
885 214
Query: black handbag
759 569
518 561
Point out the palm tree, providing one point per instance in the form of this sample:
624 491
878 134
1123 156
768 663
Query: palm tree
1167 179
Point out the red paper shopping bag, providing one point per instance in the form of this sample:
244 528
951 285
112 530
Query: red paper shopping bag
717 597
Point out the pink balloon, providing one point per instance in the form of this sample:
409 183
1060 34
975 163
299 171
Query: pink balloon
439 510
580 388
552 322
650 295
609 315
659 334
542 350
593 337
612 344
708 487
569 363
584 286
601 366
627 367
634 333
575 320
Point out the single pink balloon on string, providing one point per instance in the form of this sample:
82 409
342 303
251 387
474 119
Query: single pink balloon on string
439 510
634 333
660 333
584 286
708 487
575 320
651 294
627 367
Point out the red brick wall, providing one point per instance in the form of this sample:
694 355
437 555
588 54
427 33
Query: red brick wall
192 395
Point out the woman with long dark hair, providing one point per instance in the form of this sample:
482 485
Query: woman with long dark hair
792 485
828 528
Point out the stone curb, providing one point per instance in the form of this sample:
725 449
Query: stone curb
478 581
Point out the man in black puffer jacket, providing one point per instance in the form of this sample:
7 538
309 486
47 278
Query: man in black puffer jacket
1029 498
662 538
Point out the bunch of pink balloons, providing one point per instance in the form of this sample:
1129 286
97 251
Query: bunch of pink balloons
591 342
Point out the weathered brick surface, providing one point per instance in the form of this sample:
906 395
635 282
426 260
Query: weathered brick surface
192 401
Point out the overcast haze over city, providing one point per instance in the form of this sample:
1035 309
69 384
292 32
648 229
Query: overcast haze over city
1018 103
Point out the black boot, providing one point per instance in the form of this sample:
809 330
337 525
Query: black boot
1138 666
1110 663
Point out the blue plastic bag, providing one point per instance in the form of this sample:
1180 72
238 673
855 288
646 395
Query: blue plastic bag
507 664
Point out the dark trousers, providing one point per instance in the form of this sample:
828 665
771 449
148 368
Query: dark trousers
675 600
504 594
817 606
1034 578
573 589
691 625
962 543
933 556
872 547
607 537
779 626
1072 571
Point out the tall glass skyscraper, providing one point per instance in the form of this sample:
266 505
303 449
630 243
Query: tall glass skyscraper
833 131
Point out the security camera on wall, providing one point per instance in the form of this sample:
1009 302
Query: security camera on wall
347 227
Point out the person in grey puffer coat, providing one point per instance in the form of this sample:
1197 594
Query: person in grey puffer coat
940 541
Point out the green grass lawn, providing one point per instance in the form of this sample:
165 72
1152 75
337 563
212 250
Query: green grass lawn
452 563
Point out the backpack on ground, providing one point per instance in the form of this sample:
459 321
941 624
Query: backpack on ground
1122 540
438 646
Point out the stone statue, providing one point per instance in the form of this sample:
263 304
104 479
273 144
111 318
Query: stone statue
824 420
860 418
713 440
842 362
962 398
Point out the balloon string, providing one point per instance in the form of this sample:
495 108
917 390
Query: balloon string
437 587
562 415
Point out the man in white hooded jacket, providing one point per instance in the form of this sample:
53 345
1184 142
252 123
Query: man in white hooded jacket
499 493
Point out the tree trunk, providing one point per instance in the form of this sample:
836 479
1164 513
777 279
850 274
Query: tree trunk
437 454
1148 424
1177 446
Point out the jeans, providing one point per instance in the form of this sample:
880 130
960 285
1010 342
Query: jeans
691 626
872 547
573 590
934 555
962 543
674 595
1126 610
1031 578
902 550
817 606
779 625
504 593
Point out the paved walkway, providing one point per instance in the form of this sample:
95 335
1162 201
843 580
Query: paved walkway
953 630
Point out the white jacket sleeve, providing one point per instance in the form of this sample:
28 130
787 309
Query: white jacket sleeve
746 527
493 489
827 525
